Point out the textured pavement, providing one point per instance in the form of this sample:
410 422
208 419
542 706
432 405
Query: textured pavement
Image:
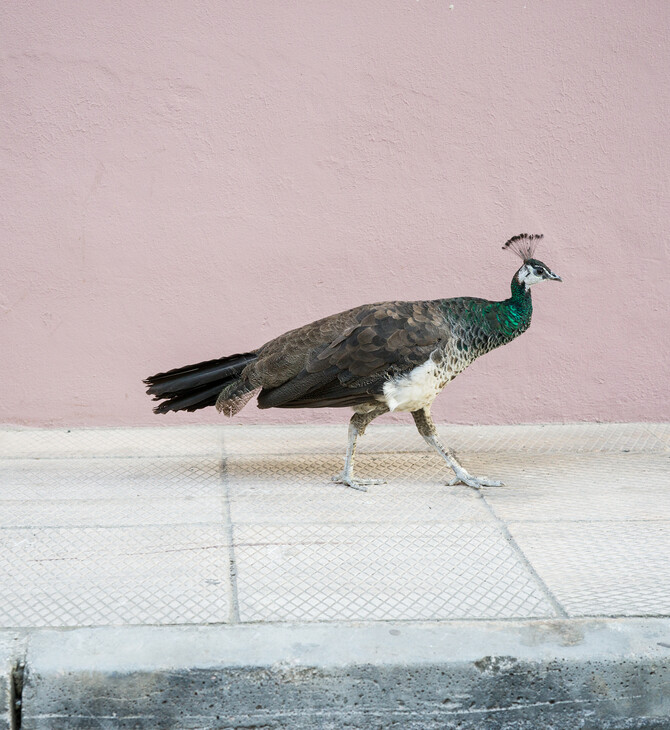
206 525
241 525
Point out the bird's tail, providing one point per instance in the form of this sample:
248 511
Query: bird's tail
198 386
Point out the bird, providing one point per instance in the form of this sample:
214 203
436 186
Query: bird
375 358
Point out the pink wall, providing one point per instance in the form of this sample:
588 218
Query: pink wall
184 180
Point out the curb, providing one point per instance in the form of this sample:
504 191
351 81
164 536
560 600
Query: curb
12 654
521 675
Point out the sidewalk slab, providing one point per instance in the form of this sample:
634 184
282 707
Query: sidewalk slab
77 443
245 440
580 487
297 489
194 440
611 568
418 572
242 440
662 432
107 492
114 575
468 675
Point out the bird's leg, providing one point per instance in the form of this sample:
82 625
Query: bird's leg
426 427
357 426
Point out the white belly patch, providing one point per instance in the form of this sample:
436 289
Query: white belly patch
418 389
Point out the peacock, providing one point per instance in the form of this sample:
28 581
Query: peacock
375 358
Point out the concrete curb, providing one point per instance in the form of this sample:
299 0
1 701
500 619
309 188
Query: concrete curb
600 673
12 655
6 694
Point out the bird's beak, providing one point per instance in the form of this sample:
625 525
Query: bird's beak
554 277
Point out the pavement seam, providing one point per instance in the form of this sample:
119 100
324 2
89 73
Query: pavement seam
561 612
234 613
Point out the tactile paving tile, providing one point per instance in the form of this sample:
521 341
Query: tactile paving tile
65 443
110 512
85 577
568 438
601 568
298 439
600 486
308 549
559 438
298 489
383 572
87 492
104 478
320 439
661 431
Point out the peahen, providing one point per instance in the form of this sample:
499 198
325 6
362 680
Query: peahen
391 356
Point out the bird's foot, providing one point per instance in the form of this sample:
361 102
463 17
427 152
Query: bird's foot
463 477
360 484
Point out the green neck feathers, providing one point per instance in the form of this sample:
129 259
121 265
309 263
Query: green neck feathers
516 312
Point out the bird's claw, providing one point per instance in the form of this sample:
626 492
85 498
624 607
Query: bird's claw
475 482
360 484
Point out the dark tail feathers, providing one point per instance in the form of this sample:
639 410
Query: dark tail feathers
196 386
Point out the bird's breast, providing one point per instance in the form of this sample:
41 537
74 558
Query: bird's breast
418 388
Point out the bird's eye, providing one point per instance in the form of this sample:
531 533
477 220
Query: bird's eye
539 272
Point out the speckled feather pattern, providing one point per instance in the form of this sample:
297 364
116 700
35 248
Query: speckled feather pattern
398 354
351 358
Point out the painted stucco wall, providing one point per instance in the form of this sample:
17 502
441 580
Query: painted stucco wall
184 180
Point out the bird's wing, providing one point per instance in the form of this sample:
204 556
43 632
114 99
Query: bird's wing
352 365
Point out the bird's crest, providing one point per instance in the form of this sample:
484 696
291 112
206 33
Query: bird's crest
523 245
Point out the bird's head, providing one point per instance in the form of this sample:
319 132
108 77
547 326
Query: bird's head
532 270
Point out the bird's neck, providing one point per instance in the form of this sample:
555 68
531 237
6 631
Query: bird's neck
520 292
516 312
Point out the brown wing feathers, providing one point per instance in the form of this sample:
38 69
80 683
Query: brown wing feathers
351 368
340 360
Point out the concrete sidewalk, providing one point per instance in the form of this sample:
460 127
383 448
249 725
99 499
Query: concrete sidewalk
213 577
